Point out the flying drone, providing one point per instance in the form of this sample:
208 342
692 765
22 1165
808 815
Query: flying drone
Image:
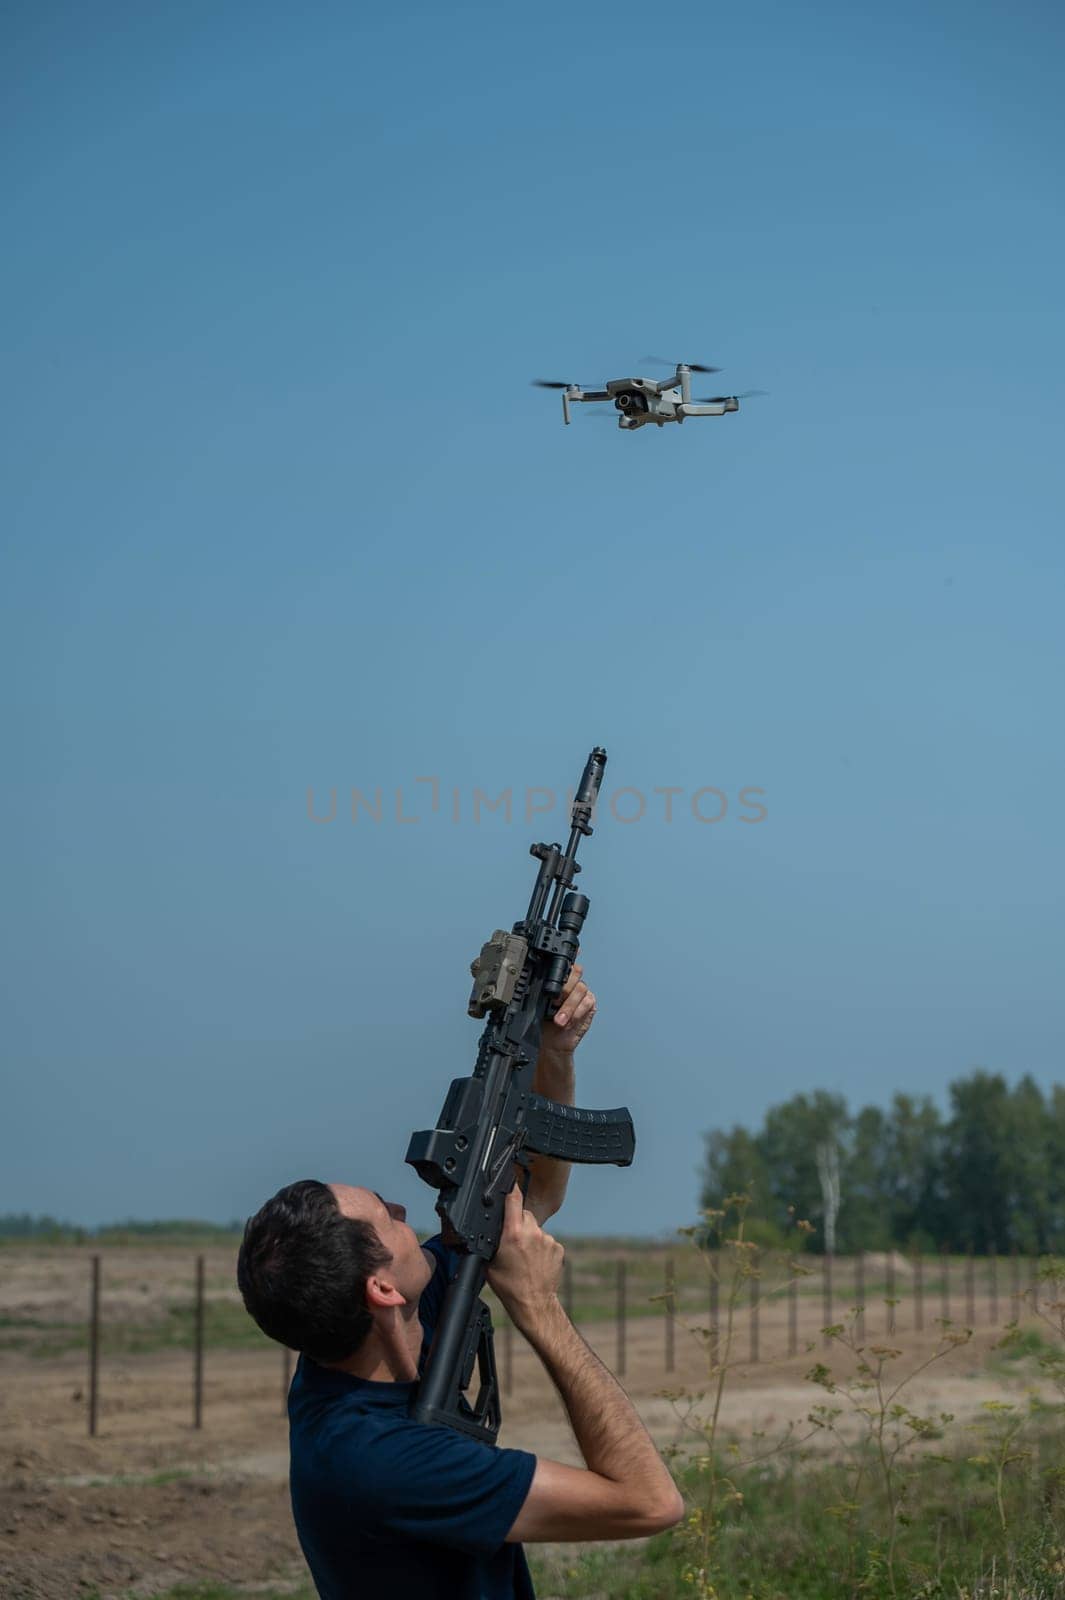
643 400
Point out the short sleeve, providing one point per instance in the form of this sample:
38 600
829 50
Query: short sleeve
441 1487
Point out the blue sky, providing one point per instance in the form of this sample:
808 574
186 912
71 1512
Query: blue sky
282 513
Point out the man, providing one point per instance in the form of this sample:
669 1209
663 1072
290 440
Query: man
384 1505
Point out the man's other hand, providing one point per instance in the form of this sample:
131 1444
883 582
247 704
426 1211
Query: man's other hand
563 1032
526 1269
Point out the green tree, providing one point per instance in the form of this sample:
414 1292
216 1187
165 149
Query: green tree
1026 1166
865 1220
991 1175
789 1144
977 1162
915 1195
735 1165
1055 1158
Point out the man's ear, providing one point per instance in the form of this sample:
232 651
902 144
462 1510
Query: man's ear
382 1292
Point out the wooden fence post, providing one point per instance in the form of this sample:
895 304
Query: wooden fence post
197 1347
670 1308
94 1345
992 1274
944 1288
918 1290
715 1288
890 1286
1015 1280
793 1316
755 1303
826 1294
859 1293
970 1288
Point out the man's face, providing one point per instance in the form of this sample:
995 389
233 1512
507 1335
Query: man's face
409 1270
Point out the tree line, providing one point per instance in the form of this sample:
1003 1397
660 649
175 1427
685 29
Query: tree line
35 1228
987 1175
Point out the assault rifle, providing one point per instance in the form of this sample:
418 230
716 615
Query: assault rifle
493 1119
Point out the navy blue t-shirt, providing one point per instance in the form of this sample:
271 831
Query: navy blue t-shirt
387 1506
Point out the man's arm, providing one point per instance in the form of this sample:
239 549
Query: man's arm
555 1078
626 1491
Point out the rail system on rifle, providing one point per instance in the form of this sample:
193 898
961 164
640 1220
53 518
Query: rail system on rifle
493 1120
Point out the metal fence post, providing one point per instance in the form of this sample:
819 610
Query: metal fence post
620 1365
94 1345
197 1346
670 1307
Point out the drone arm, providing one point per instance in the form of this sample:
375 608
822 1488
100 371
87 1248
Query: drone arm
569 395
693 409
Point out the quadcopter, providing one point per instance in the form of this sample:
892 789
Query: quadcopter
643 400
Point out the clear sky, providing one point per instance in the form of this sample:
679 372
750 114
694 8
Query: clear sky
282 513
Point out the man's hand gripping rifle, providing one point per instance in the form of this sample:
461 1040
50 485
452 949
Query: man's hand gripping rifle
494 1119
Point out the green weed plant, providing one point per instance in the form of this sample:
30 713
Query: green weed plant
868 1498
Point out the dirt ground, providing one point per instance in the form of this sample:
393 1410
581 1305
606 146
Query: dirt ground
151 1502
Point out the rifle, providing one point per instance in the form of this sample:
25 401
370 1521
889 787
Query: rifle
493 1119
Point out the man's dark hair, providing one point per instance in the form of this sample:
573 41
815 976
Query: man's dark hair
302 1271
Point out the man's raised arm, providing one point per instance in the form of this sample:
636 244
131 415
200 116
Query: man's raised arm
555 1078
625 1490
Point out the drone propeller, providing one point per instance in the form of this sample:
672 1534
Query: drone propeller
549 383
659 361
719 399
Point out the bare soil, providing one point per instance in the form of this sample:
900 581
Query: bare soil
150 1501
